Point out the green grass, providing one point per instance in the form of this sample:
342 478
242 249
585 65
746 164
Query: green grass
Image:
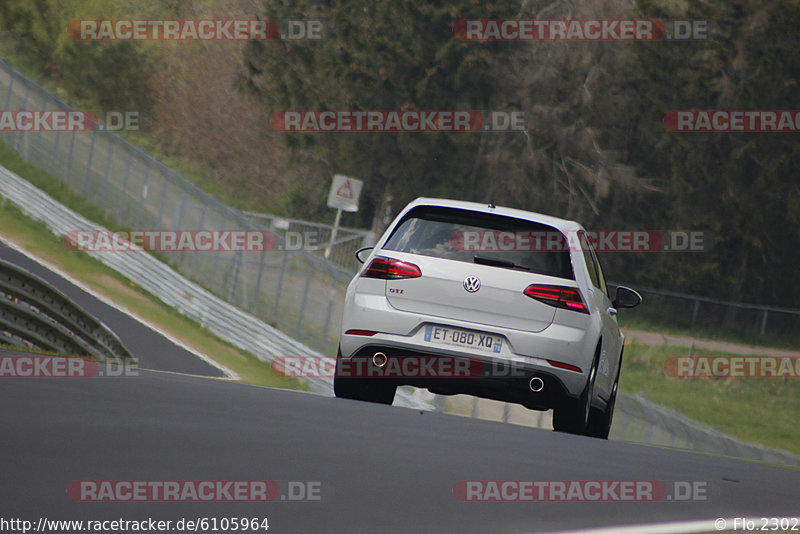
36 239
58 190
63 193
196 173
758 410
761 411
754 410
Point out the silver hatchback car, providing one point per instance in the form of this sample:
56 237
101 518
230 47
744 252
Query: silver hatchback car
459 297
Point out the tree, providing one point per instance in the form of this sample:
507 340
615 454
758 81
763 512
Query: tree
111 74
381 56
742 186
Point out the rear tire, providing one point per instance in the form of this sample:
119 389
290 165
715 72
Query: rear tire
363 389
600 420
572 416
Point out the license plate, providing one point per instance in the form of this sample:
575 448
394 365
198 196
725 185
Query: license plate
463 338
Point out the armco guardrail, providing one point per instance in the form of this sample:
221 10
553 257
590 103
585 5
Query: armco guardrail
221 318
35 314
636 419
647 422
298 291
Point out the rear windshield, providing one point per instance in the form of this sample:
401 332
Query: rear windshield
483 238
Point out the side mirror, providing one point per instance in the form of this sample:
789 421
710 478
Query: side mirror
363 253
626 298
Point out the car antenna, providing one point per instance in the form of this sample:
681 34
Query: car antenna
491 204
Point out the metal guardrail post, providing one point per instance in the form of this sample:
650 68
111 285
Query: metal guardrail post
301 313
193 268
259 276
123 197
695 310
163 200
54 155
13 76
89 159
106 172
234 276
178 217
242 274
331 298
68 170
278 290
24 106
143 196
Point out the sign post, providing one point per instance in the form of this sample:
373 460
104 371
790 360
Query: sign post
343 195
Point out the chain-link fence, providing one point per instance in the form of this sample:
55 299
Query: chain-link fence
319 238
299 286
701 313
636 418
294 288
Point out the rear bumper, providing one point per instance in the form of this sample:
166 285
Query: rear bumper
477 375
524 353
570 339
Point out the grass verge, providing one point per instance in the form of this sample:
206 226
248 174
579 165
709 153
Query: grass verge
36 239
757 410
761 411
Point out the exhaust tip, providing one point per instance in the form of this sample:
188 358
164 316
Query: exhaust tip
536 384
379 359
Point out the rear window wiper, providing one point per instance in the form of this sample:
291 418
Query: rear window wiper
499 263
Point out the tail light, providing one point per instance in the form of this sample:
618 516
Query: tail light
390 269
353 332
563 365
568 298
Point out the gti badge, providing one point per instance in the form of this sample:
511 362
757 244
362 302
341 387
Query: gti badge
472 284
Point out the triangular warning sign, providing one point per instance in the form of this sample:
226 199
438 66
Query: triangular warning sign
345 191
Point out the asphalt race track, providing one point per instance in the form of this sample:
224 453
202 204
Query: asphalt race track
152 349
377 468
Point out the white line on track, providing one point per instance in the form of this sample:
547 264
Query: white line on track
720 524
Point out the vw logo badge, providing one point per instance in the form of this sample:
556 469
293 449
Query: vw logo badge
472 284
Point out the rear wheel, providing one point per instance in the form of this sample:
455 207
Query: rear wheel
600 421
363 389
573 416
